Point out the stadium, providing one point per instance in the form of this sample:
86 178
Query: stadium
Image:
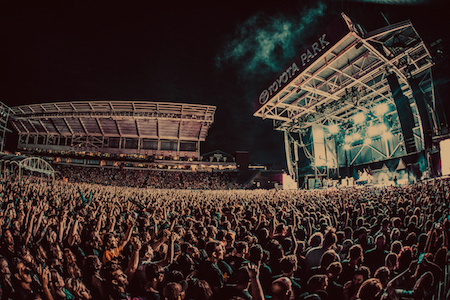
115 199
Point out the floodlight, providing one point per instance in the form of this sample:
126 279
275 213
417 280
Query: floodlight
382 128
387 135
372 130
346 147
378 129
356 136
333 129
348 139
381 109
359 118
367 141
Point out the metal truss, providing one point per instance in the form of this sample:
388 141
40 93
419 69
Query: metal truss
36 164
32 164
350 77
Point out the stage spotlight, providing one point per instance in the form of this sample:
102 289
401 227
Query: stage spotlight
372 131
333 129
346 147
381 109
356 136
359 118
387 135
382 128
348 139
367 141
378 129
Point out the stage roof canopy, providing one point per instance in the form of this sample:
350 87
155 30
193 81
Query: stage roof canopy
343 73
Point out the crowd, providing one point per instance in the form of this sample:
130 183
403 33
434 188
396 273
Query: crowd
65 240
148 178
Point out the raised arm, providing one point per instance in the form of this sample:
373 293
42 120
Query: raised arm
74 231
127 235
294 240
170 251
30 226
45 279
256 288
98 226
27 216
134 260
62 225
38 223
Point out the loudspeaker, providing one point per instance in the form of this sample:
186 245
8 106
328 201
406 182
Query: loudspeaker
423 112
404 113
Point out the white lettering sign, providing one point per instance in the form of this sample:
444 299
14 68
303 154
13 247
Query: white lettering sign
315 49
305 58
278 83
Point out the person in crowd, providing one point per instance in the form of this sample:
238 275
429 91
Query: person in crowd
93 279
314 255
371 289
78 289
238 258
354 260
375 257
337 290
209 270
155 278
256 258
173 291
288 267
316 288
6 287
240 289
282 289
351 287
202 290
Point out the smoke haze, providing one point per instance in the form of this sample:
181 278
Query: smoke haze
265 43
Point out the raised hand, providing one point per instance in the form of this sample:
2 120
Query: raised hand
136 243
45 277
253 269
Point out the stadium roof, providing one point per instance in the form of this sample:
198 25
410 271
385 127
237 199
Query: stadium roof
342 73
133 119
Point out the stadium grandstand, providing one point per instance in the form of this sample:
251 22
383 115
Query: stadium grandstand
138 133
357 101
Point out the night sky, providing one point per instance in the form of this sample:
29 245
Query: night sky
215 53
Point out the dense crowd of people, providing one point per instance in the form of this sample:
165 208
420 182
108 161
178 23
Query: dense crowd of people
67 240
148 178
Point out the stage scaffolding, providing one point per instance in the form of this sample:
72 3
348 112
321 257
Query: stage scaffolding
335 105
